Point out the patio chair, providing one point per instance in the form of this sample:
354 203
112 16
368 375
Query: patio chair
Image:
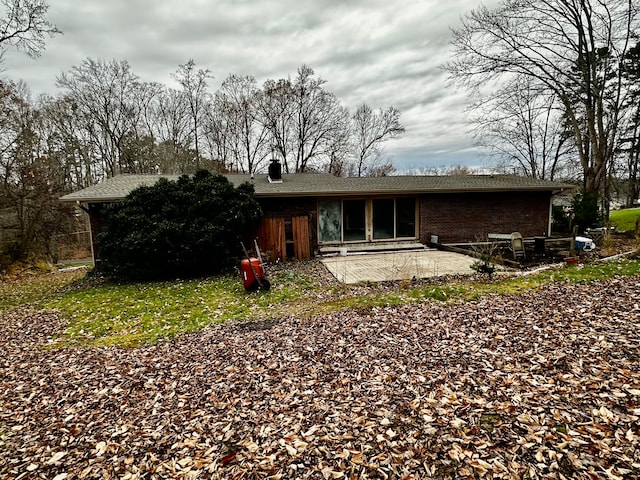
517 246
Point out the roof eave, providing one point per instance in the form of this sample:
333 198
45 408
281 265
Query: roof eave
355 193
92 199
351 193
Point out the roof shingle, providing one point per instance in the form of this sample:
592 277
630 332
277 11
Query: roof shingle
317 184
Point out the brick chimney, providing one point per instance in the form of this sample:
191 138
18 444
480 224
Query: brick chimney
275 171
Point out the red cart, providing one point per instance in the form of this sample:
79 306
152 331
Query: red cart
253 273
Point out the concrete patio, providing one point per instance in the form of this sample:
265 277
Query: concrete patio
379 267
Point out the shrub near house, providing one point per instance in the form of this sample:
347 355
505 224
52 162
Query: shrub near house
184 228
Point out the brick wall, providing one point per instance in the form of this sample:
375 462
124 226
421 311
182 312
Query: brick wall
464 217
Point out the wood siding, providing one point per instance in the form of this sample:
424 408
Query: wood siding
301 240
271 238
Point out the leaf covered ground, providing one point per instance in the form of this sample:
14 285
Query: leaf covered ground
541 384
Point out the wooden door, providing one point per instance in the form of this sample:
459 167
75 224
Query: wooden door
301 240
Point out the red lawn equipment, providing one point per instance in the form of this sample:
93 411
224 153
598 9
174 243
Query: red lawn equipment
253 272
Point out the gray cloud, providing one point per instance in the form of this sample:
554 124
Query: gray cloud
374 51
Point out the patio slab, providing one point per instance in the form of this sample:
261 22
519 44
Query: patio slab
380 267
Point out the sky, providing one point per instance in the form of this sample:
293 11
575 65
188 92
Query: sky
380 52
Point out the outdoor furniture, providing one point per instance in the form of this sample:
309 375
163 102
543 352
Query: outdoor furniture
517 246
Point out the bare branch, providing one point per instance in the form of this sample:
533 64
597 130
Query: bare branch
23 24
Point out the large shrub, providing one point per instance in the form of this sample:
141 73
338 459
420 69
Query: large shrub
182 228
560 220
585 211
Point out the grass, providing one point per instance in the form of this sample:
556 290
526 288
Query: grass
33 289
131 314
625 219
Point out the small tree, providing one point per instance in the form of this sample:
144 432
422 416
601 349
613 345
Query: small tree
585 211
184 228
487 254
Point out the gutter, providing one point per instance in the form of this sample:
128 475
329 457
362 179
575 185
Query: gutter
360 193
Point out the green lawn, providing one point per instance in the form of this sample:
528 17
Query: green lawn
129 314
625 219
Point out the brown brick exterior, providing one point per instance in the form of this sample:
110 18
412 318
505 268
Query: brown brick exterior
453 217
466 217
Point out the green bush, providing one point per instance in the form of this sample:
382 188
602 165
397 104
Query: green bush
184 228
585 211
484 265
560 220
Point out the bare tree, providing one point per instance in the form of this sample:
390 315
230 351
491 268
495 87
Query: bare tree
67 141
522 126
306 123
170 126
139 144
218 130
238 100
30 181
24 25
370 130
448 170
340 148
107 96
170 114
277 115
460 170
572 48
195 89
318 118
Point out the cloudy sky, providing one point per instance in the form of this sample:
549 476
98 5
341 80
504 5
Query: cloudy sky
379 52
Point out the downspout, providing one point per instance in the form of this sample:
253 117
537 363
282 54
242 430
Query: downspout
550 216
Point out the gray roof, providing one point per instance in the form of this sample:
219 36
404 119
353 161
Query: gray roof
318 184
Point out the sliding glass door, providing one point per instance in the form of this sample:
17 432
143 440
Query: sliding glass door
383 218
330 221
405 217
362 220
354 218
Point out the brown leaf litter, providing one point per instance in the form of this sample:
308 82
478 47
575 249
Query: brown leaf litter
544 384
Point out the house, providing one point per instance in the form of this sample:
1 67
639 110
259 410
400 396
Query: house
309 212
